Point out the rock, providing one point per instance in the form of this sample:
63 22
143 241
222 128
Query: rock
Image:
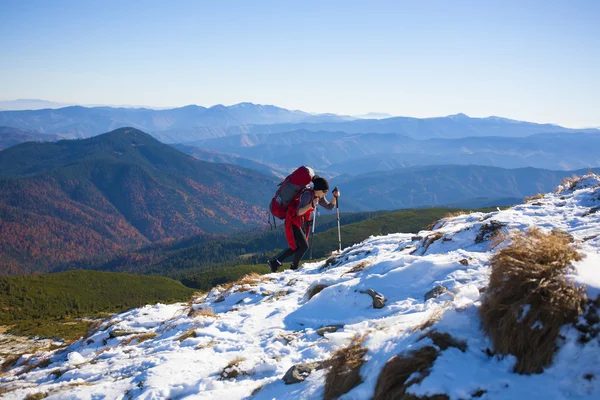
562 234
299 372
378 298
118 333
435 292
329 329
415 238
464 262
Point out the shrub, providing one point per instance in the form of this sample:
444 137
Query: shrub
344 372
404 370
529 299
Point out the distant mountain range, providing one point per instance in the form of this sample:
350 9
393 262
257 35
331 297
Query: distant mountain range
10 137
29 104
343 153
174 125
449 185
190 123
75 200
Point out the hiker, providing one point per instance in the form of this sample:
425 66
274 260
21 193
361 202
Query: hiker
298 220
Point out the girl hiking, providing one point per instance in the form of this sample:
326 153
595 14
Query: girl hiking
298 220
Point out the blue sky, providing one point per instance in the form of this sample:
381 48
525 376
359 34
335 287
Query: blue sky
528 60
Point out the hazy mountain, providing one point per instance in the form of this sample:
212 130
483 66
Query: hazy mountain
461 186
186 124
374 115
177 124
341 153
29 104
453 126
77 199
11 136
218 157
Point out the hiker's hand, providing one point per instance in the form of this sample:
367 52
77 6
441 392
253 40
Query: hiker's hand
315 202
336 193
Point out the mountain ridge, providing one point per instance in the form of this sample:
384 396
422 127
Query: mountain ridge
114 192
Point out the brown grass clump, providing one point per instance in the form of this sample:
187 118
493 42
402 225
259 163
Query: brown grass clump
329 262
528 299
36 396
10 362
279 294
568 183
202 312
206 345
435 316
191 333
454 214
94 327
140 338
534 197
444 340
232 370
344 372
358 267
43 363
489 231
394 380
314 290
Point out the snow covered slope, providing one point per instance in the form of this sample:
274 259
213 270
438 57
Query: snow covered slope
263 327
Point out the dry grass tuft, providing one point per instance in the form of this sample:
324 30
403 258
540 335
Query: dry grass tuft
528 299
10 361
190 333
206 345
232 369
358 267
568 183
43 363
256 390
314 290
279 294
435 316
489 231
444 340
202 312
535 197
57 373
94 327
344 372
36 396
402 371
251 279
140 338
329 262
454 214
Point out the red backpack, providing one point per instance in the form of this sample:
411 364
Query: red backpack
289 189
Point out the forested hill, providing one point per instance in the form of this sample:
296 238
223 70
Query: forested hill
74 200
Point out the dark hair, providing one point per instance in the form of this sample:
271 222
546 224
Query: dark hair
320 184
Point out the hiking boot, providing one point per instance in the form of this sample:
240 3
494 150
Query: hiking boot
294 267
274 264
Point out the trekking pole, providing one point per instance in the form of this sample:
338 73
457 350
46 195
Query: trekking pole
337 212
312 233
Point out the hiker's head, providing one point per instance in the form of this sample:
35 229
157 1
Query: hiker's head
320 186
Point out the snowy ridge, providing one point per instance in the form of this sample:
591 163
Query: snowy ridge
263 327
